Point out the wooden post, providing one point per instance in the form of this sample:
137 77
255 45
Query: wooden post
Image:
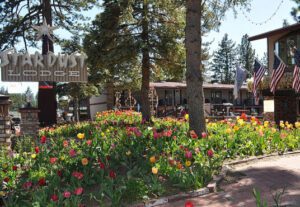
47 90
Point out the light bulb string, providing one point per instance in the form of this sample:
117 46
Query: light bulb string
265 21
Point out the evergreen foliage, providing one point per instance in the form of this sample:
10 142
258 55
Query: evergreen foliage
246 55
224 62
137 39
295 11
18 16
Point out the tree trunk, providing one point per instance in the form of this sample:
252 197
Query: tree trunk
76 109
47 90
145 66
110 95
194 78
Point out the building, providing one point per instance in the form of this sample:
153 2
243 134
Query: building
169 99
285 102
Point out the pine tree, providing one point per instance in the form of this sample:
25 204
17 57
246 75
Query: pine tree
144 34
295 11
246 55
18 16
224 62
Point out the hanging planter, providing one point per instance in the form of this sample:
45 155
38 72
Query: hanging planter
285 83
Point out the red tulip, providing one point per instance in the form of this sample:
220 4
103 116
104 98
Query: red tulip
14 168
27 185
102 165
43 139
189 204
6 179
78 191
59 173
193 134
188 154
204 135
54 198
112 174
53 160
77 175
89 142
72 153
42 182
65 143
67 194
210 153
37 150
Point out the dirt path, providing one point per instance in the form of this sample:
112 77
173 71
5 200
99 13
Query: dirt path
269 175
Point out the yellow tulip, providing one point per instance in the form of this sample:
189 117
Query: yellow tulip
236 128
266 124
80 135
186 117
33 156
102 134
2 193
152 159
228 131
241 122
188 163
128 153
154 170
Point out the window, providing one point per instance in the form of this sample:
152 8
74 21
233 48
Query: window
230 96
216 96
282 47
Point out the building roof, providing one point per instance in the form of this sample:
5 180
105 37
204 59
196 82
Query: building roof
167 85
290 28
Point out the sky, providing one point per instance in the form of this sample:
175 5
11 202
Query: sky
235 27
261 10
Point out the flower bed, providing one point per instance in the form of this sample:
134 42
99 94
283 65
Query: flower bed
119 159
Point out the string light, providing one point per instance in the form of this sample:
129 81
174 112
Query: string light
265 21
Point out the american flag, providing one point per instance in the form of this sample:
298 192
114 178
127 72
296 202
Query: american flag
278 71
259 71
296 75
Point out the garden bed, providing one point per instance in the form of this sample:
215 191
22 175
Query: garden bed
119 160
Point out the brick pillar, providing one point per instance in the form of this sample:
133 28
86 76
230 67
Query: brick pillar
285 109
284 103
5 122
29 121
5 131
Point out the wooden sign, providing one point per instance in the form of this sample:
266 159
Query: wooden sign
18 67
268 105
